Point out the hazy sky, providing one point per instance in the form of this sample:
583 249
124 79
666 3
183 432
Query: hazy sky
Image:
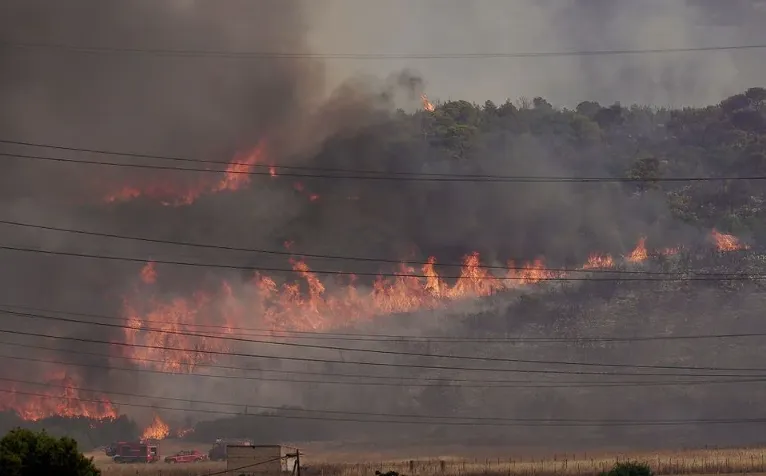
457 26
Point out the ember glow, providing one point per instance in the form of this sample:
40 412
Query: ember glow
148 273
158 430
61 398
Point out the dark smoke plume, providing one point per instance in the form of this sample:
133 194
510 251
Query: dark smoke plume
209 108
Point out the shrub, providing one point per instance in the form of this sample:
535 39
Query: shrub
28 453
629 468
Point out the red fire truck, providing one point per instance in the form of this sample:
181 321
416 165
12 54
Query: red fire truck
136 452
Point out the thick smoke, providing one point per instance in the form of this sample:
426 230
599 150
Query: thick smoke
211 107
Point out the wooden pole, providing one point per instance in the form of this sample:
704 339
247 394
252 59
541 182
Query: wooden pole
298 460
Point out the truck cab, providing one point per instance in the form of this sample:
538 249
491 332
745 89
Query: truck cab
137 452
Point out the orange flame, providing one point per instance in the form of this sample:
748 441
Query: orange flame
639 254
726 242
309 303
174 316
427 105
123 195
235 177
316 307
599 261
65 399
158 430
149 273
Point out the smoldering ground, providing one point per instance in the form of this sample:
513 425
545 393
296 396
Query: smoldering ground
211 107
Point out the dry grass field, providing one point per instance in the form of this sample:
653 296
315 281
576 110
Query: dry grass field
690 462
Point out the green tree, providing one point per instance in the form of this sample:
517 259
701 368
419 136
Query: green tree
647 171
28 453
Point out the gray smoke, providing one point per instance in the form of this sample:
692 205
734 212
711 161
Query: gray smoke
492 26
212 107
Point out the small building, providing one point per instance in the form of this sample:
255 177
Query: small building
259 459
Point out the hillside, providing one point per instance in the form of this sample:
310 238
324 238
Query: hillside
643 163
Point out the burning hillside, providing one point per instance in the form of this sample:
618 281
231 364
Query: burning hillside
310 303
59 396
479 199
233 178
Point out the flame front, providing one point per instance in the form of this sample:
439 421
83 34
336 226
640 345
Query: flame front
63 398
158 430
235 177
306 304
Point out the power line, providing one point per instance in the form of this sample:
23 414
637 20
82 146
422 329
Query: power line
401 178
417 381
234 163
693 277
337 412
306 410
326 256
412 366
188 53
493 422
245 168
374 364
398 338
381 351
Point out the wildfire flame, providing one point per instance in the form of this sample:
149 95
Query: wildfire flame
149 273
158 430
639 254
726 242
65 399
427 105
599 260
235 177
307 303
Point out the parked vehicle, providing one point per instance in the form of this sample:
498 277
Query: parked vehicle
111 449
186 456
136 452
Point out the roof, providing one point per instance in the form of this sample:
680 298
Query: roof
263 446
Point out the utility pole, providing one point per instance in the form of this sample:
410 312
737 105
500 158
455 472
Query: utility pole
298 460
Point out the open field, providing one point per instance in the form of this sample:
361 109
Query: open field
688 462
